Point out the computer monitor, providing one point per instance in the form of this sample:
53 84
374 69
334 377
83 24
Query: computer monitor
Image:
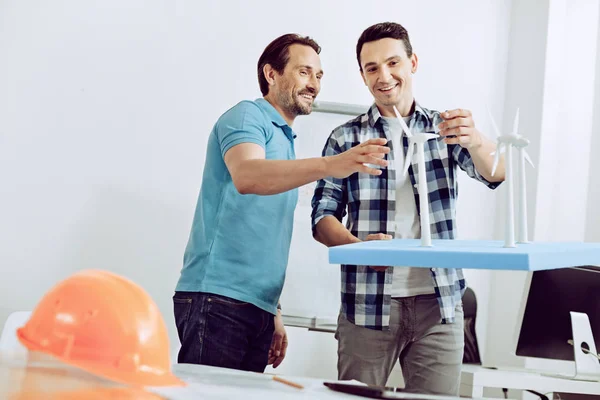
545 320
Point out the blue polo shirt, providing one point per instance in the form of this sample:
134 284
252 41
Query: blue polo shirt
239 244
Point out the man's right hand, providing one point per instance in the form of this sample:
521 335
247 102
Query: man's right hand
370 152
378 236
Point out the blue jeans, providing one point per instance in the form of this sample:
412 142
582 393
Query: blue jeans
221 331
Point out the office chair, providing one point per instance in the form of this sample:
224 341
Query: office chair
471 353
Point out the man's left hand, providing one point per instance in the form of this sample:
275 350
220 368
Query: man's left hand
459 123
279 343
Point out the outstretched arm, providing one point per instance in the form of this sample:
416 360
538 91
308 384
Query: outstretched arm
459 123
253 174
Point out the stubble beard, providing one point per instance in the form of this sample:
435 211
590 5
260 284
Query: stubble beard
292 104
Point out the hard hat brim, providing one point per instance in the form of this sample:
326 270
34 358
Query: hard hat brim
95 393
136 378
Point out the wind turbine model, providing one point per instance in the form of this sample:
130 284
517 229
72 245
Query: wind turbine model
507 142
419 140
520 144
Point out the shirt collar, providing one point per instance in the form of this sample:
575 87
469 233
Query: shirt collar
274 116
271 112
374 115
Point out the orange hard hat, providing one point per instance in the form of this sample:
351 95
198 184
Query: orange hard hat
104 324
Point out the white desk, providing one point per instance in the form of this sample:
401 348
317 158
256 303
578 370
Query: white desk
58 381
475 378
310 323
219 383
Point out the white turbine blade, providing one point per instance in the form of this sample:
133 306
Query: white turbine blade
496 130
496 161
527 158
516 123
408 159
502 150
402 123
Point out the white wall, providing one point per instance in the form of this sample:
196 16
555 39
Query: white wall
105 108
567 120
592 232
524 90
567 137
554 46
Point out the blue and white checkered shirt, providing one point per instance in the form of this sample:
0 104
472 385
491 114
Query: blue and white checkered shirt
370 202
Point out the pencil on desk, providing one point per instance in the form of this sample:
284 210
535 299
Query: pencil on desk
285 381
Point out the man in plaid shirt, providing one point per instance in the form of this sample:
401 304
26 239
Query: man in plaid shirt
411 314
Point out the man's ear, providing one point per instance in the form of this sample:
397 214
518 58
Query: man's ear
269 73
414 63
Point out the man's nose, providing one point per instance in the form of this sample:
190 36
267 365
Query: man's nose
314 86
384 75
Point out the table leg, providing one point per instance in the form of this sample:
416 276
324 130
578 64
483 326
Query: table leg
471 391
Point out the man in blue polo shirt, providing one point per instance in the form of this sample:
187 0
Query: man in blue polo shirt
226 300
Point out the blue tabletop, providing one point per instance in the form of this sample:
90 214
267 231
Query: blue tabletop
470 254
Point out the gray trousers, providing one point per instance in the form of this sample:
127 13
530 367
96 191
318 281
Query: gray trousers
430 352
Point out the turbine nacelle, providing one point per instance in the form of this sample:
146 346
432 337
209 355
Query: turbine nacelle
521 142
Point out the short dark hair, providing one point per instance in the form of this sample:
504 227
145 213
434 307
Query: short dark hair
277 55
381 31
